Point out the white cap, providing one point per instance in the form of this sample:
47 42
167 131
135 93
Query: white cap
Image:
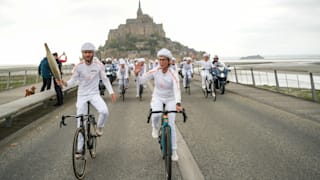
121 61
141 60
165 52
215 56
88 47
188 58
206 55
173 59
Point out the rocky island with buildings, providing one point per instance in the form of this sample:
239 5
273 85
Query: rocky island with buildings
141 37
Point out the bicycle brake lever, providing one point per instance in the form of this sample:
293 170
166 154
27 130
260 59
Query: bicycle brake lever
62 121
185 117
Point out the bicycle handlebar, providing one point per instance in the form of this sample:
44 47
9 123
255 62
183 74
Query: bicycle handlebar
62 122
167 112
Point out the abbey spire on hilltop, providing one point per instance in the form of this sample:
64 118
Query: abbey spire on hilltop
139 12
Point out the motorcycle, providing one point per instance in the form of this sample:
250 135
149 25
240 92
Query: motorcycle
219 75
111 73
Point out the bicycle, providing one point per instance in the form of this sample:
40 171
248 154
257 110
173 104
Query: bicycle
187 88
123 89
165 137
88 132
210 89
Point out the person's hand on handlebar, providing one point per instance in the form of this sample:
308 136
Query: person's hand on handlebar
179 107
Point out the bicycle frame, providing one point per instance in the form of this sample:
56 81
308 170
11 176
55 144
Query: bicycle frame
165 123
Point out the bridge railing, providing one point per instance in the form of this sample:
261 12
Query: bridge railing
12 77
281 79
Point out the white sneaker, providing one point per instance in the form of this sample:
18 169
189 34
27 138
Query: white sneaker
174 156
155 133
214 94
137 96
78 155
99 131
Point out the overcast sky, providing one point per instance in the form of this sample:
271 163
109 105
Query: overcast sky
227 28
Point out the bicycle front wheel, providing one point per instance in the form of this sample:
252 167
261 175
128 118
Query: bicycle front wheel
79 161
168 152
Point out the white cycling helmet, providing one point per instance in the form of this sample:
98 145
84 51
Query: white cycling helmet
88 47
206 55
164 52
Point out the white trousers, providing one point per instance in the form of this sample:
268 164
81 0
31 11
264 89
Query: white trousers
186 74
205 74
122 81
157 105
82 108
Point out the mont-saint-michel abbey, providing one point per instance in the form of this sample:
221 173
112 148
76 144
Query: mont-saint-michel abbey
141 37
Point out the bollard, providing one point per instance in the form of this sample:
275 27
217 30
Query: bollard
277 81
313 89
252 76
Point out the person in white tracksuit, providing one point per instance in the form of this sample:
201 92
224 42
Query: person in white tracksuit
88 74
166 91
139 70
187 71
122 74
205 68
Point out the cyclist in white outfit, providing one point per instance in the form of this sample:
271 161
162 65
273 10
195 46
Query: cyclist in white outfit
139 70
88 74
166 91
206 67
122 74
173 64
187 71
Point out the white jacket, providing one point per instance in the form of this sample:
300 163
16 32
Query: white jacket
166 85
88 77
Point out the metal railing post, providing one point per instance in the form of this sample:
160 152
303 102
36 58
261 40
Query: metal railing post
276 78
8 80
313 89
235 72
25 78
252 75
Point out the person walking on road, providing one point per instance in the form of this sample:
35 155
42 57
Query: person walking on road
45 72
166 91
88 74
57 88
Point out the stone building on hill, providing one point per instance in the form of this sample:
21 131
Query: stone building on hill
141 27
140 37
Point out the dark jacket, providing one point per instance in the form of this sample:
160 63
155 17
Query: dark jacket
44 68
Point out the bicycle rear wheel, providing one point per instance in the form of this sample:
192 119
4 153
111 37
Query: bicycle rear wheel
123 91
92 141
168 151
79 164
140 91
